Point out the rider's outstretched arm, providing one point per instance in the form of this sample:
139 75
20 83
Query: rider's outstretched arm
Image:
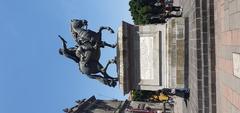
69 52
63 42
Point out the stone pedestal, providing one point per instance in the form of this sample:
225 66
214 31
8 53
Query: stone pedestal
141 55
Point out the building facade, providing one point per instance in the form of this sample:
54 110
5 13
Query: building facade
227 38
93 105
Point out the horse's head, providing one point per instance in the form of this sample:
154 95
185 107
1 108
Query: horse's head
76 23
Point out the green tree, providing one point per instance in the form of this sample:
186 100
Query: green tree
142 10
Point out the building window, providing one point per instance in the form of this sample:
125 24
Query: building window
236 64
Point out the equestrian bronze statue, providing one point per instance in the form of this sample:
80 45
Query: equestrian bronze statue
86 52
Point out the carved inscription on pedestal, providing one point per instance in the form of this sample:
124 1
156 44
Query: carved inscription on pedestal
146 58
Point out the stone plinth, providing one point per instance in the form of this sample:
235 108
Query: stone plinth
141 53
176 52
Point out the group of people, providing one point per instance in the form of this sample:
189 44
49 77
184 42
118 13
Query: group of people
86 52
164 9
166 93
165 96
162 95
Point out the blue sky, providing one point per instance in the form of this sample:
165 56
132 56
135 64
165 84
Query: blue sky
34 78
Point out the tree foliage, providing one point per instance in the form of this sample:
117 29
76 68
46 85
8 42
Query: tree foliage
142 10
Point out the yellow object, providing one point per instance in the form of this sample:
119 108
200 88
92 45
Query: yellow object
160 97
163 97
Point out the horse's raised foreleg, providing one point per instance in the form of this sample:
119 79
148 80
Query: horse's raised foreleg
105 28
103 44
